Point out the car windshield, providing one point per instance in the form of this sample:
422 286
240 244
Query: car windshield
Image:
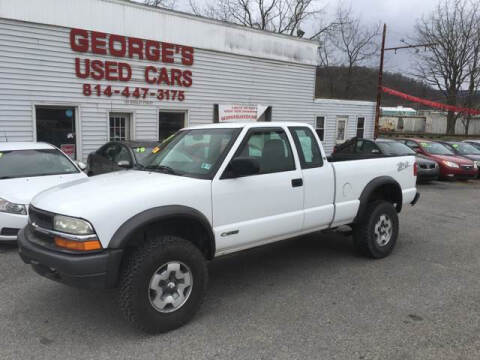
142 153
194 153
394 148
436 148
29 163
465 149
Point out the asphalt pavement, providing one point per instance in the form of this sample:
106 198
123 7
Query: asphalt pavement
307 298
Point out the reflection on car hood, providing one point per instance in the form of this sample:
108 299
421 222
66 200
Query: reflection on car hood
22 190
454 158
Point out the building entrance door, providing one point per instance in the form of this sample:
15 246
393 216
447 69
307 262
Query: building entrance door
170 122
56 125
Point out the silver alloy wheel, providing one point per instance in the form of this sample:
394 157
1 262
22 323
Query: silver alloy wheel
383 230
170 286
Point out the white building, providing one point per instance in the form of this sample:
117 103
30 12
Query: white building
79 73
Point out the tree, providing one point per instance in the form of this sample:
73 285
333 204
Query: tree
279 16
168 4
349 44
448 64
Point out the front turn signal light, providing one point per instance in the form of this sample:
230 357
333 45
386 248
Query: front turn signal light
77 245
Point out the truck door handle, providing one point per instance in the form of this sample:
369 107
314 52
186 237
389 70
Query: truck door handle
297 182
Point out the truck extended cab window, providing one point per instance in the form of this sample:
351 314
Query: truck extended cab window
271 148
307 147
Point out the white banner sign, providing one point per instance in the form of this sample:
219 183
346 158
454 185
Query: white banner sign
240 112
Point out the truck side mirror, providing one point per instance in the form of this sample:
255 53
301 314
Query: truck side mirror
243 166
81 165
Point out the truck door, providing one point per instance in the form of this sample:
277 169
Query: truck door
263 207
318 180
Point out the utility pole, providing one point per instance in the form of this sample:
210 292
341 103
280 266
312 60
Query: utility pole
379 86
380 73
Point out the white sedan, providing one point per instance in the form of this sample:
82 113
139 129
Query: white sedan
26 169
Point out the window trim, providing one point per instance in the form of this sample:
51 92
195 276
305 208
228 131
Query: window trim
224 175
337 119
131 127
298 146
363 128
324 126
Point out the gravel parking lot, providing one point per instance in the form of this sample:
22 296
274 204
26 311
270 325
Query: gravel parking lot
308 298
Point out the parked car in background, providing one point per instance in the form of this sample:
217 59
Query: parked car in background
118 155
357 148
474 143
25 170
464 149
452 166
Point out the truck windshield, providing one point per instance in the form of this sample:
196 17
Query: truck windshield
195 153
29 163
394 148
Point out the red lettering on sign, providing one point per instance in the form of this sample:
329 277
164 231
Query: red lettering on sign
117 39
124 72
148 70
163 78
168 53
99 43
187 55
78 70
97 72
79 40
135 47
152 50
111 71
187 78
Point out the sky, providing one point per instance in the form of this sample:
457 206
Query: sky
399 15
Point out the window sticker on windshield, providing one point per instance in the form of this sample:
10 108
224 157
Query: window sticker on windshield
140 150
155 150
206 166
455 145
424 144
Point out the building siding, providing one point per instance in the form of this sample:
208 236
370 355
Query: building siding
37 67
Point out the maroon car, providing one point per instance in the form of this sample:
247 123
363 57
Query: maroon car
452 166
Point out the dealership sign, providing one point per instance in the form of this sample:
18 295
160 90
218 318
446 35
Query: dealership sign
163 79
240 112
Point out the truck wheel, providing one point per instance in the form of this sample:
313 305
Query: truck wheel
163 284
376 235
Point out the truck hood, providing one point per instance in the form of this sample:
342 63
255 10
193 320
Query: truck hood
22 190
107 192
108 201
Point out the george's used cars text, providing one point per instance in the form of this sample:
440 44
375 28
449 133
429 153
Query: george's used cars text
151 231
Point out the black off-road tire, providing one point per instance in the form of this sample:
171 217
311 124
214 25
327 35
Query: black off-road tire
364 237
137 271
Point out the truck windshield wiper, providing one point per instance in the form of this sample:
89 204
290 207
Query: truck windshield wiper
162 168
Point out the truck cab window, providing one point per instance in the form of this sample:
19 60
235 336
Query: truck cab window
307 147
271 148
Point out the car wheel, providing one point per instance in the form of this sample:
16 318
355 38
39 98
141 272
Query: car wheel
163 284
376 234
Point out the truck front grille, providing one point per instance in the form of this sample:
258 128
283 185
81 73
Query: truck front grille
42 218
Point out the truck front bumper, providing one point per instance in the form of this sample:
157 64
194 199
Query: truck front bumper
94 270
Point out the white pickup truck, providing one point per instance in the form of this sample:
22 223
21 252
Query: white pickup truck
208 191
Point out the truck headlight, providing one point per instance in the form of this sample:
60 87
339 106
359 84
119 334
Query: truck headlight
72 225
451 164
11 208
